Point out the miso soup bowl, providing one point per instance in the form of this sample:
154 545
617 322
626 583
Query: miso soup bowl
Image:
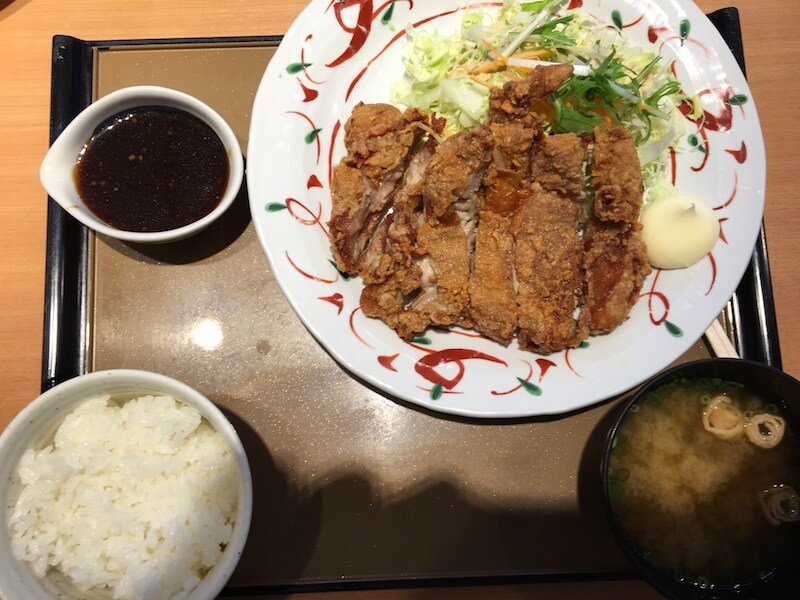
56 172
34 428
764 381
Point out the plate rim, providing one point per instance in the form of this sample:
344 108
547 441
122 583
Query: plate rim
536 410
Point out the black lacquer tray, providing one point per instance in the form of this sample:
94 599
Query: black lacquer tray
352 489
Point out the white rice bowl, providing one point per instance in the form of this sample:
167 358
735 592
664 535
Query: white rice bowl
130 495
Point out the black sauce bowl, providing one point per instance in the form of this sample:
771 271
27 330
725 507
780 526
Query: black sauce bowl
767 382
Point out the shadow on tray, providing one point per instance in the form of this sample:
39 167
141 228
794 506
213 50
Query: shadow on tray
345 532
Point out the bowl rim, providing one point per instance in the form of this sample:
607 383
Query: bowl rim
149 382
55 172
662 581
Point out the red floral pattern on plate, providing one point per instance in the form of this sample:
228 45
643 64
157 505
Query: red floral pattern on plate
338 54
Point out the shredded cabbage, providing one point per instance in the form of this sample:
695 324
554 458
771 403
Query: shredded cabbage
451 75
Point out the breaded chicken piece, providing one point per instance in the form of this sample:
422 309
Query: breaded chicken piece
395 237
515 99
616 267
511 162
446 237
445 293
492 293
557 165
379 139
549 249
397 274
492 297
616 175
489 228
455 173
616 256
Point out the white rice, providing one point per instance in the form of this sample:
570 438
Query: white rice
137 499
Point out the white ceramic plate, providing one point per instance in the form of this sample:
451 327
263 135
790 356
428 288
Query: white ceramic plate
338 53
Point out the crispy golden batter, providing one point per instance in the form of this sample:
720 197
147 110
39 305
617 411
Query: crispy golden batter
616 266
616 175
446 237
492 293
456 172
515 99
489 229
616 256
397 274
557 165
492 297
549 250
379 139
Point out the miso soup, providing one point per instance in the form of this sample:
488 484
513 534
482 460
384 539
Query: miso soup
702 497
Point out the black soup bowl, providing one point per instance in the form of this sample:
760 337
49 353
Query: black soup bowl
701 474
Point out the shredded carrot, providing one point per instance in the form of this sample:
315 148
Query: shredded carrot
533 54
486 67
480 81
498 54
499 62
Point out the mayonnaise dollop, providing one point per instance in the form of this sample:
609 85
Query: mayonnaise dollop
678 231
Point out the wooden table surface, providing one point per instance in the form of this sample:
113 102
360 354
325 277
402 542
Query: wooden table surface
26 28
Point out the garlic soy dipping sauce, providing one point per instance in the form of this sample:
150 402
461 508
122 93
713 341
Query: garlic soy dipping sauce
152 168
702 481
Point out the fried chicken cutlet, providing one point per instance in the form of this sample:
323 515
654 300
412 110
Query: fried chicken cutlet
514 128
446 237
379 141
433 239
549 248
498 229
616 257
492 284
516 98
399 274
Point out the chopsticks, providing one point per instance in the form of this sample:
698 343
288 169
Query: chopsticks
719 341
